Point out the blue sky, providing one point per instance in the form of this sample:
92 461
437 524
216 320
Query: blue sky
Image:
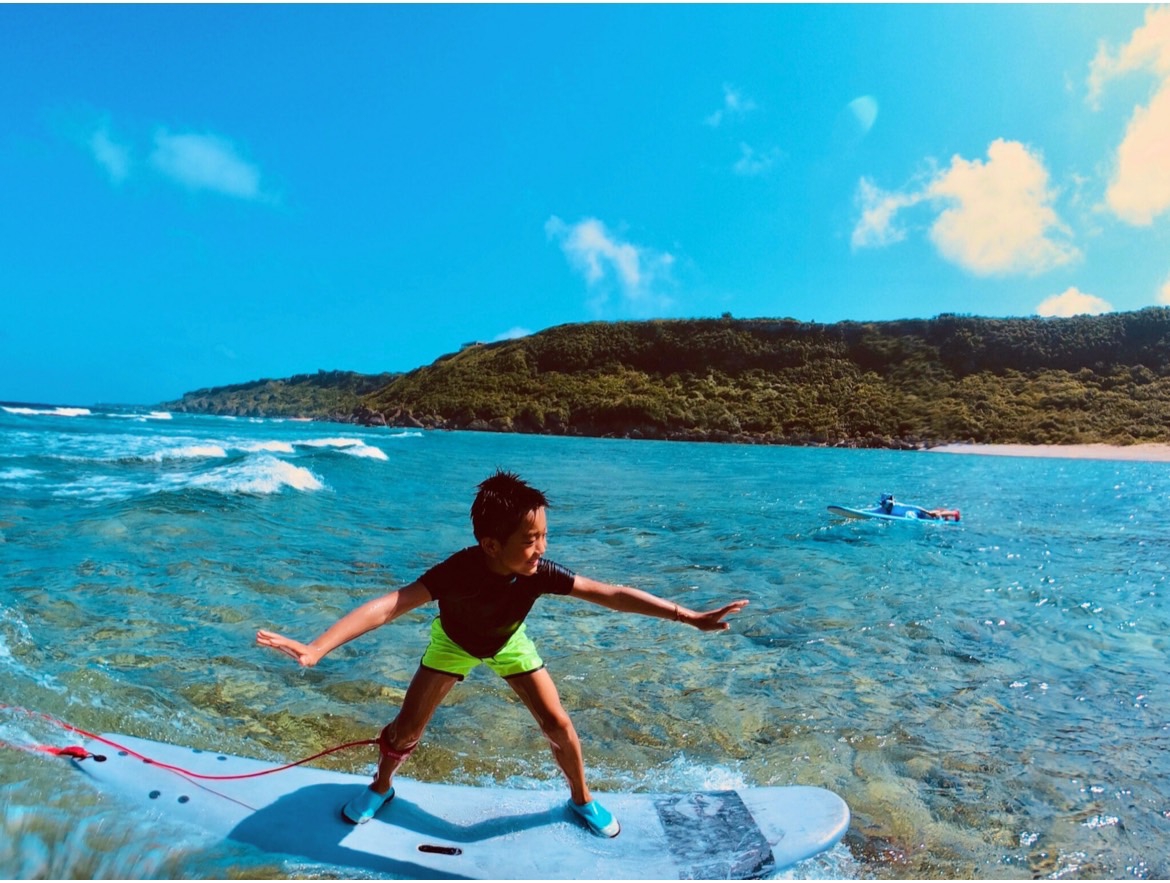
193 196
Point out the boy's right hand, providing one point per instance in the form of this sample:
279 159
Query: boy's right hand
302 653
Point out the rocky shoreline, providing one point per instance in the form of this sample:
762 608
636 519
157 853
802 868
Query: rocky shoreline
1145 452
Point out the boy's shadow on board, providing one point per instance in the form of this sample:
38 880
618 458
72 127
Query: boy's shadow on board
308 823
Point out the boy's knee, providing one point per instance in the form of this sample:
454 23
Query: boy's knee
397 742
557 725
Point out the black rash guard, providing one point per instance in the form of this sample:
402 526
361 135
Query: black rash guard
481 610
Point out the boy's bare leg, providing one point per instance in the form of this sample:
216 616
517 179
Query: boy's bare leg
540 695
426 692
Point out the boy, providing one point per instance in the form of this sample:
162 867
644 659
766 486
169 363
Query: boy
484 594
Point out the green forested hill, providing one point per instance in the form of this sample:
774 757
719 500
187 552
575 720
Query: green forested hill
324 395
905 383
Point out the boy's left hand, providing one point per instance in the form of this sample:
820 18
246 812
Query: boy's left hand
712 620
302 653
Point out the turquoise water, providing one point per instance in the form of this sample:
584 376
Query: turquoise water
991 699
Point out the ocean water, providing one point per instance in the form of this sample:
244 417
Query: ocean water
990 698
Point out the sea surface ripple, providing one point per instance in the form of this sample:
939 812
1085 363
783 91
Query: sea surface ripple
991 698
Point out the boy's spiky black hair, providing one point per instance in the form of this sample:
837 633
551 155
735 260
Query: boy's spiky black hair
503 501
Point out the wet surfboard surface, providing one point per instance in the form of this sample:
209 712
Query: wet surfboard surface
434 831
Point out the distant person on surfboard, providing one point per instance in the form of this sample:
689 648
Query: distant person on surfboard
484 594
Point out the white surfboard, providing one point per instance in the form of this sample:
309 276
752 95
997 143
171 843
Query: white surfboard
432 831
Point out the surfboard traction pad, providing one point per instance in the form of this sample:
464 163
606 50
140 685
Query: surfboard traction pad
712 836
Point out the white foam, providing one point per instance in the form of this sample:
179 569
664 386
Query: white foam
17 473
275 447
99 488
47 412
10 622
142 418
682 773
115 447
262 474
259 475
837 863
368 451
355 447
188 452
159 449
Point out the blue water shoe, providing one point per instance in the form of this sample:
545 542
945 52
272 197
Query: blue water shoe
599 819
363 807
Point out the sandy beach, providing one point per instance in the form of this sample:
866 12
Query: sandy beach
1159 453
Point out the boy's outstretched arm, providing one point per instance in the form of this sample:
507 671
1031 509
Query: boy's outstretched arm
627 600
357 622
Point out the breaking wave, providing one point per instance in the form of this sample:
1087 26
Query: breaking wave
258 475
28 411
355 447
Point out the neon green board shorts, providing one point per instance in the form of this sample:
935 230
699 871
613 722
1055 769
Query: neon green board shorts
517 657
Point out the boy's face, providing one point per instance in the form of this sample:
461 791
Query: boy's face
520 554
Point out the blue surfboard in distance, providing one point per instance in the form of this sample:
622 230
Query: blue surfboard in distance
889 509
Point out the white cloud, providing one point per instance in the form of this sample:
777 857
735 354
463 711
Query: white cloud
1148 48
513 334
1000 219
194 161
111 156
865 111
876 226
1164 293
996 216
1140 187
752 162
735 106
1073 302
205 162
607 262
852 125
